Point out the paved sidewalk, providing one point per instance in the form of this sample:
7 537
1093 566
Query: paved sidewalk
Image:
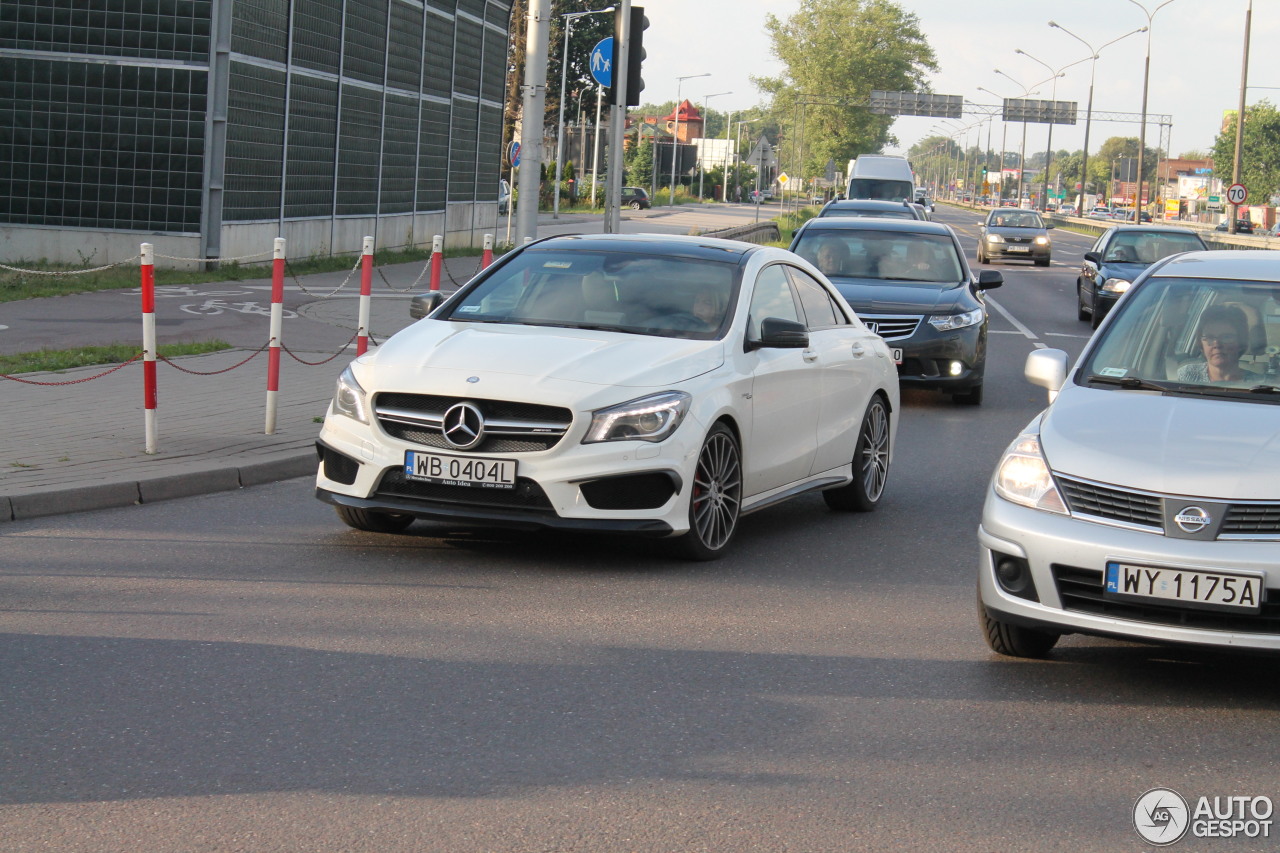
75 447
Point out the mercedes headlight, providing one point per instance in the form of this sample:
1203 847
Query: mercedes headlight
1023 476
950 322
651 418
1116 285
349 398
994 238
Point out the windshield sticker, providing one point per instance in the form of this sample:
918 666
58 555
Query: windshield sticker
1113 371
558 265
468 309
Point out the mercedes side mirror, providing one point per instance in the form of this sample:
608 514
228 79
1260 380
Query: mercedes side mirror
423 304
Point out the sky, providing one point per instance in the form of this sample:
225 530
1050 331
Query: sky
1196 51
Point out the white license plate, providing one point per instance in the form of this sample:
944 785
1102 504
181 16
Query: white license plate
1018 248
460 470
1214 590
897 355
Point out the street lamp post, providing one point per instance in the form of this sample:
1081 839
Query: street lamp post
705 98
1048 154
1142 131
1022 151
1088 115
1004 138
675 137
569 18
737 149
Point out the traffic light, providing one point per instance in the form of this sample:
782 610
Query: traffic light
984 171
635 55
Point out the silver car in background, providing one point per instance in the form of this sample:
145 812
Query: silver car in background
1144 502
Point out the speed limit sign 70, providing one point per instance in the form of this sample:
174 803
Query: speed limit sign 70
1237 194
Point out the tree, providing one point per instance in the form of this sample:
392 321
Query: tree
1117 148
835 52
1260 153
638 161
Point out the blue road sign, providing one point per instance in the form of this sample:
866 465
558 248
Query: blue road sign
513 153
602 62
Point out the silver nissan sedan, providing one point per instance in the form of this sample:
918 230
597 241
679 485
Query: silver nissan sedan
1144 502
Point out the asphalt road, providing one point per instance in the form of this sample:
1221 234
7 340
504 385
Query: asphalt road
242 672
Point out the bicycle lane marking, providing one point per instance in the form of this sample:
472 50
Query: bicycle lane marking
1027 333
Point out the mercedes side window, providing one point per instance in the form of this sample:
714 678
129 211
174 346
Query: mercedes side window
819 308
772 297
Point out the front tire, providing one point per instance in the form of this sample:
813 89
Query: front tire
372 521
635 205
1081 313
1011 640
1042 262
870 464
715 498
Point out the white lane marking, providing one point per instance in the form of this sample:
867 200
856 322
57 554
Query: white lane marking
1065 335
1027 333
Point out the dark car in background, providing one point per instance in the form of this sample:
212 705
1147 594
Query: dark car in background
1119 256
910 283
872 207
1243 226
1020 234
636 198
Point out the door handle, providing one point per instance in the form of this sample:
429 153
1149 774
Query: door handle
809 355
857 349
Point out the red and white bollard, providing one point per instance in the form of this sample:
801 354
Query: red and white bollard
366 291
437 260
487 257
277 329
149 394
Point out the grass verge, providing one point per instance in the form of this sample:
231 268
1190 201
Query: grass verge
47 359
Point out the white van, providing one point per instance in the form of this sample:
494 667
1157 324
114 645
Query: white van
884 177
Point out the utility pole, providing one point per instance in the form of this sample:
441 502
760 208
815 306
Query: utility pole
537 41
617 120
1244 85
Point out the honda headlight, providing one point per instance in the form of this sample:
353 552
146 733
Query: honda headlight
349 398
994 238
1024 477
950 322
1116 285
651 418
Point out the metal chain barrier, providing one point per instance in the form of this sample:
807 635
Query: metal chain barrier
457 283
216 260
295 357
303 287
251 357
69 272
425 268
73 381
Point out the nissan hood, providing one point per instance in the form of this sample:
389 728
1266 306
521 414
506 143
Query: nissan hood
1203 447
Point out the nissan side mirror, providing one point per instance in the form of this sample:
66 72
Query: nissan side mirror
1048 369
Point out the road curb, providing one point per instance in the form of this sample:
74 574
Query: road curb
21 507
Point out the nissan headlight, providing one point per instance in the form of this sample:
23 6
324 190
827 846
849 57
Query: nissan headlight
1116 285
951 322
1023 476
651 418
349 398
994 238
